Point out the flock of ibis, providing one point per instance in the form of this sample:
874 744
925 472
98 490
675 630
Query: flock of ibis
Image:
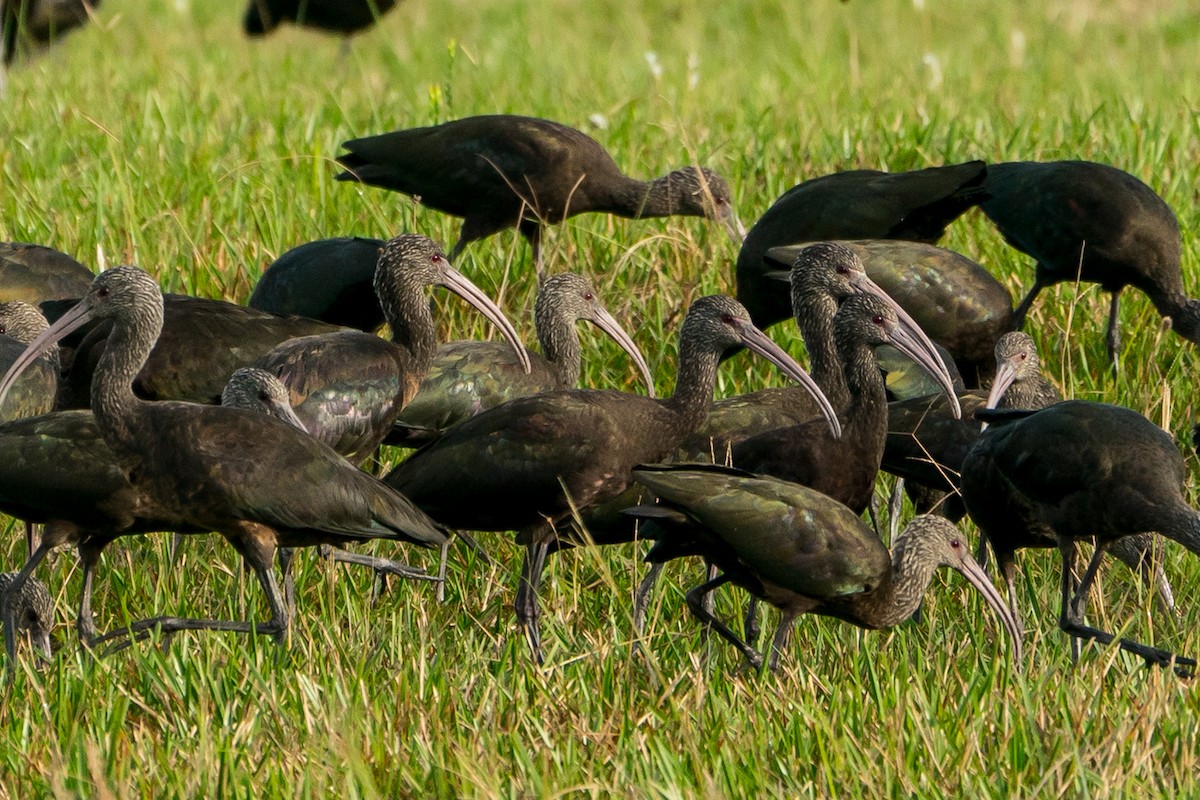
128 412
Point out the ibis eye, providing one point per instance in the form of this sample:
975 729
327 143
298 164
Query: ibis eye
1023 356
589 296
728 319
436 258
955 544
877 319
102 291
3 329
843 270
266 398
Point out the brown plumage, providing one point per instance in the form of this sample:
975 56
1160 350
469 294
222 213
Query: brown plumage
1078 470
1092 222
799 550
858 204
206 468
499 171
526 464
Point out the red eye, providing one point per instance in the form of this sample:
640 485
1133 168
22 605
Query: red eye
877 319
728 319
589 296
1023 356
955 544
843 270
436 258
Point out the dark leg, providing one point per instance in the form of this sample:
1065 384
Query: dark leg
1184 667
642 596
31 534
780 640
10 601
750 625
1008 568
1023 308
1113 339
526 603
85 622
696 604
1067 592
176 543
1079 599
286 557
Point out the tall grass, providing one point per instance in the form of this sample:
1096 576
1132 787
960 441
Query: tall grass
160 136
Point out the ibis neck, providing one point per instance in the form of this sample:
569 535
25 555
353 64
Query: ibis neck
814 316
694 384
407 311
900 595
639 199
114 404
559 340
865 414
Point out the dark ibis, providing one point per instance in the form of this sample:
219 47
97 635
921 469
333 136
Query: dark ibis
34 273
1078 470
858 204
345 17
202 343
28 24
37 390
822 276
528 464
330 279
258 481
32 612
499 171
799 550
348 387
469 377
1085 221
955 300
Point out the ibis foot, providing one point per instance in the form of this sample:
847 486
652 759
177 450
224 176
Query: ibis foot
169 625
526 605
1183 666
696 604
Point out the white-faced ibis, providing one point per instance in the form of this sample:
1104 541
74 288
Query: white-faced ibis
527 464
202 343
858 204
469 377
32 612
349 386
37 23
499 171
1092 222
1078 470
799 550
955 300
346 17
34 273
822 276
330 279
256 480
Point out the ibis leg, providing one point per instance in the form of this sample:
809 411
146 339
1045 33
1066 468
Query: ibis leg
696 604
641 598
780 639
750 626
1113 338
85 621
526 603
1023 308
1074 627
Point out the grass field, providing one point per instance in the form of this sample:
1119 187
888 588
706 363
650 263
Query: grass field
161 136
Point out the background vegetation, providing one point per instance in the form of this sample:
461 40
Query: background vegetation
161 136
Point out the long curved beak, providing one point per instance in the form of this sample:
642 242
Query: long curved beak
456 282
41 644
939 372
733 226
975 575
760 343
78 316
1006 376
607 323
902 339
284 411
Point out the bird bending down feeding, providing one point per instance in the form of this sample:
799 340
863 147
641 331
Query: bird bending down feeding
346 17
1078 470
499 171
349 386
208 468
1091 222
32 613
528 464
858 204
799 550
468 376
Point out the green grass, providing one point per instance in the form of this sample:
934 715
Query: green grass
165 139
